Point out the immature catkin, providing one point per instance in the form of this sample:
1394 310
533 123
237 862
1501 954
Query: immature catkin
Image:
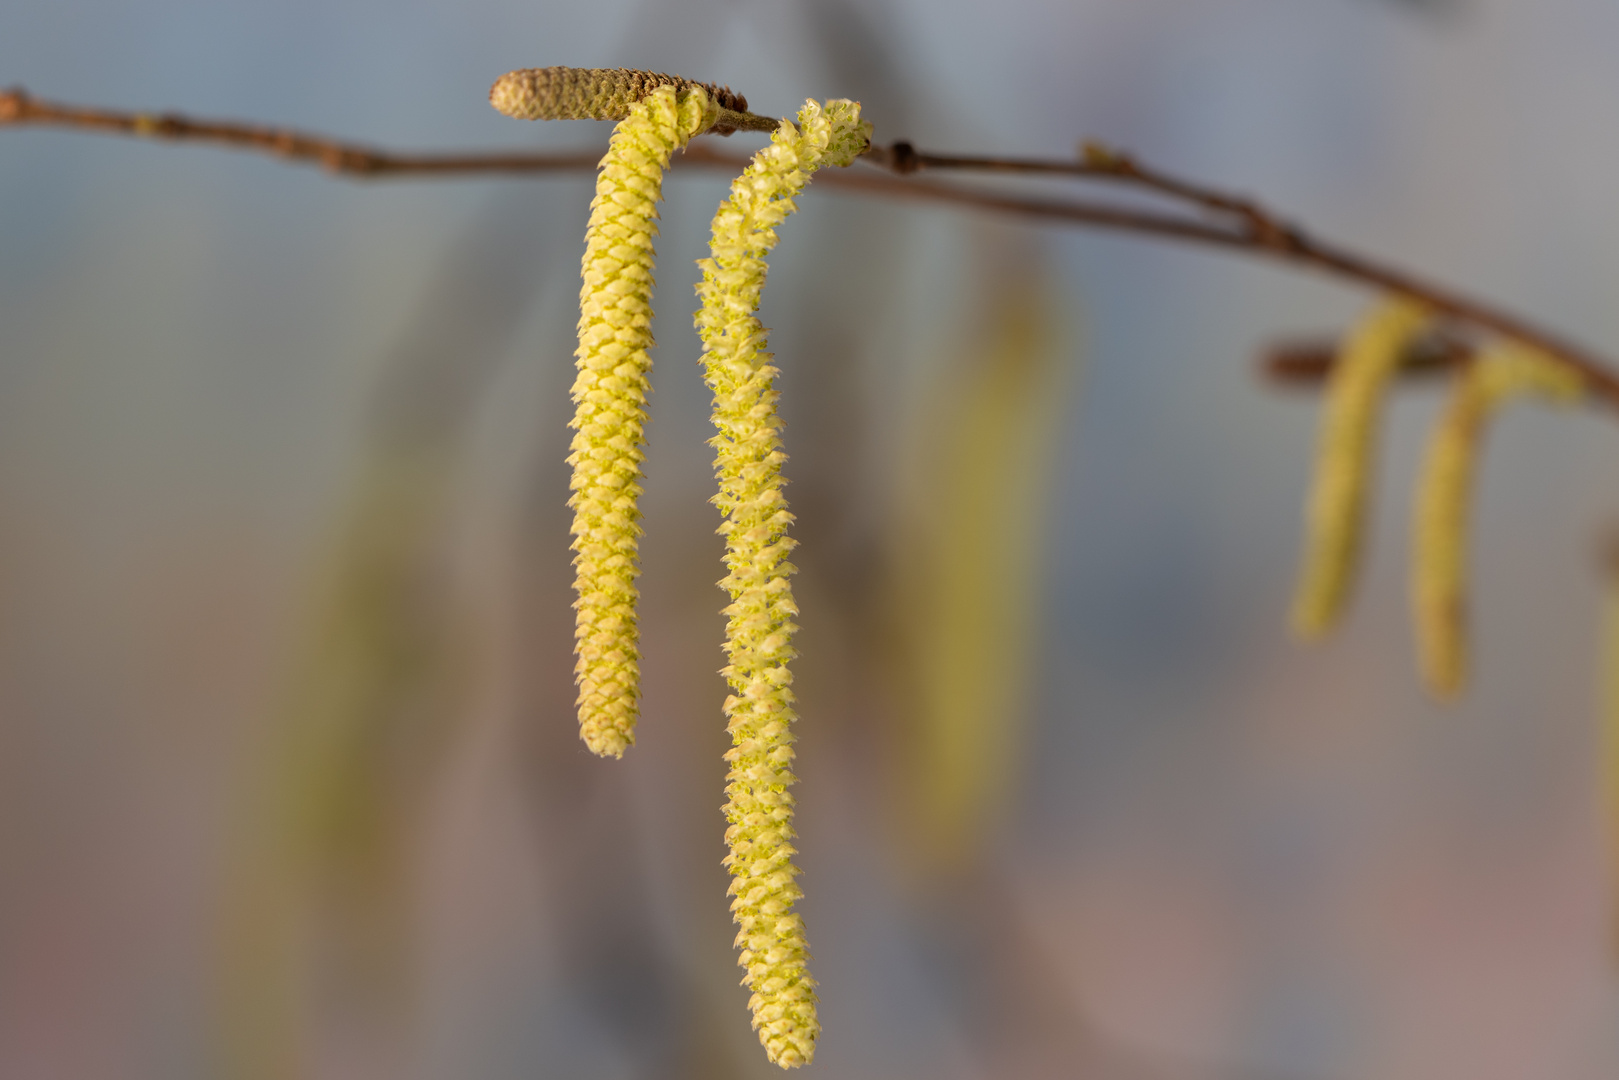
1444 498
759 630
615 319
567 93
1334 517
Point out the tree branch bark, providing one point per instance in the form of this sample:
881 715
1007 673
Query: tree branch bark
1208 216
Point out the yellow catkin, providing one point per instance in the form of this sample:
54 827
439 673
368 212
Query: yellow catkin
325 838
1444 495
967 561
1610 742
1334 516
615 334
759 630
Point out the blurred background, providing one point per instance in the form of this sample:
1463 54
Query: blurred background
289 778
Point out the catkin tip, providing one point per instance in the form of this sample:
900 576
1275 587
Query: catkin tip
1309 622
607 744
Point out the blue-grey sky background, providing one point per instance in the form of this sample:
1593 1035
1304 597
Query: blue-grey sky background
1225 856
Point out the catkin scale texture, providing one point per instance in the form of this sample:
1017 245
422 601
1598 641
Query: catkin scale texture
568 93
759 628
610 395
1335 514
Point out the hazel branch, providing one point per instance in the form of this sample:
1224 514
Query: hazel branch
1305 363
1096 162
1218 219
19 108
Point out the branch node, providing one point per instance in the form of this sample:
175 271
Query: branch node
13 103
903 158
1099 156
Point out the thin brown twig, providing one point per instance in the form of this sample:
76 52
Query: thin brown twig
1284 242
1239 224
18 107
1305 363
1097 162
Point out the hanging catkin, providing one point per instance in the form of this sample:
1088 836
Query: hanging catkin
1609 749
1444 495
609 395
1334 517
759 628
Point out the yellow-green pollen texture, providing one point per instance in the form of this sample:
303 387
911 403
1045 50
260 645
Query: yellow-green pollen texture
1334 517
759 631
609 394
1444 498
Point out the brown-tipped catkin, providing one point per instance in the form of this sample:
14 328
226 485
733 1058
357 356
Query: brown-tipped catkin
566 93
1444 496
1334 516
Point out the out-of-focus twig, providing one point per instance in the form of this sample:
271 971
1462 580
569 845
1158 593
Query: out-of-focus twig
18 107
1305 363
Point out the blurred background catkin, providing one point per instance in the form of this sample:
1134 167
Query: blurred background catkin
290 784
